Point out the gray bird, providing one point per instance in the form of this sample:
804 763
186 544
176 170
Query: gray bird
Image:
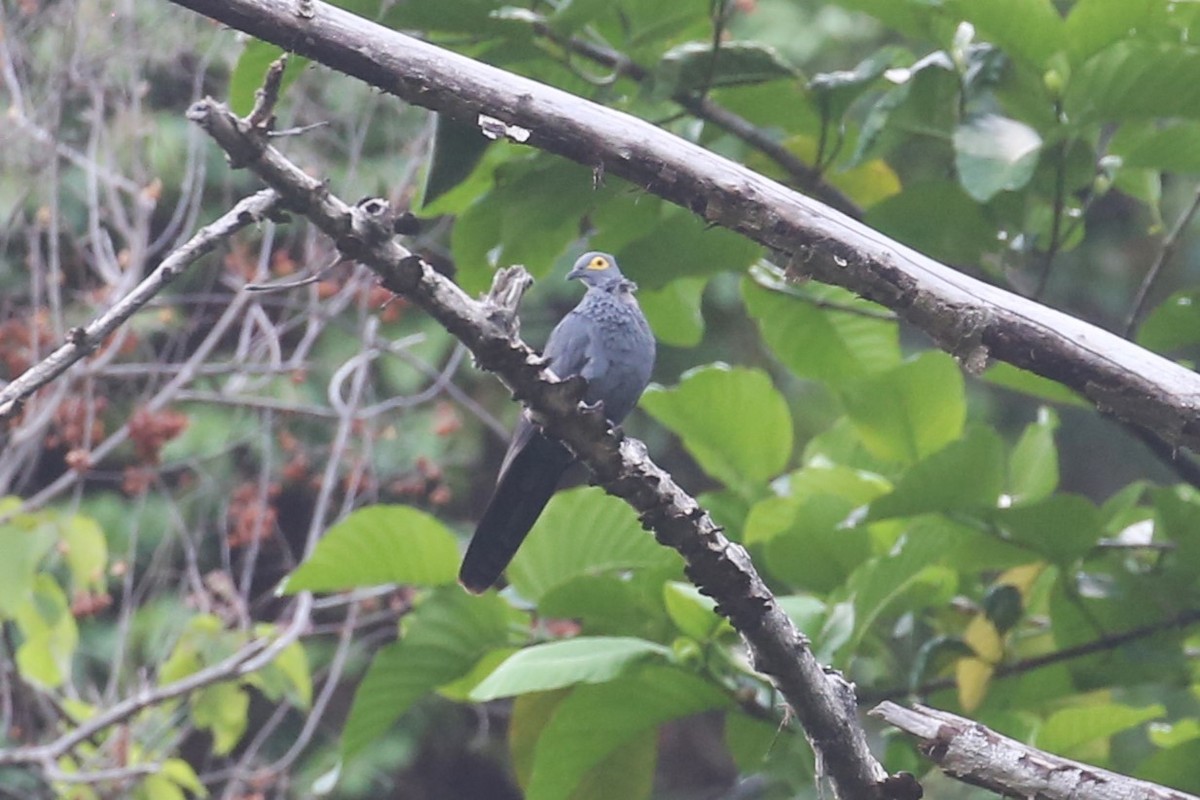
607 341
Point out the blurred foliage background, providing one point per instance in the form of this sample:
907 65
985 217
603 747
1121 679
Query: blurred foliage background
985 543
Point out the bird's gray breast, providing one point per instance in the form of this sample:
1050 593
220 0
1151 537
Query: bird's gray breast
620 351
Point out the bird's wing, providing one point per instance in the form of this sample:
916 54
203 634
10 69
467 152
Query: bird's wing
568 348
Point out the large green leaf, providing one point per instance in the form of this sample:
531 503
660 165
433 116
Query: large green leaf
457 150
994 154
691 67
49 635
1028 30
818 550
965 474
807 330
584 659
1061 528
911 411
595 719
251 68
379 544
583 532
881 583
682 244
938 218
530 217
674 311
24 540
732 420
1171 147
1033 464
444 636
1173 324
1136 80
221 709
1067 729
1094 24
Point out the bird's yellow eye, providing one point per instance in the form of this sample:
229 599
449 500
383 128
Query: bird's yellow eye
599 262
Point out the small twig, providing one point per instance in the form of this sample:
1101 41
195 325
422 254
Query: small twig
1169 245
1184 619
308 280
266 97
82 341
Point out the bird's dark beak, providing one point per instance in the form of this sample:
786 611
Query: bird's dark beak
576 272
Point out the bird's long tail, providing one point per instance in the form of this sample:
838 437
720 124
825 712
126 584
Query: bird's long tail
525 486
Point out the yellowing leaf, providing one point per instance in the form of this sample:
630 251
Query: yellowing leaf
972 676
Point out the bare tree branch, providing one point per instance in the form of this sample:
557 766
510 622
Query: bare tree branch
82 341
254 655
974 754
823 701
971 319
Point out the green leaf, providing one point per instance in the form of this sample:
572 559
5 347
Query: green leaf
818 550
1068 729
251 68
881 582
911 411
805 330
595 719
690 67
732 420
1028 30
692 612
86 552
1170 147
994 154
221 709
684 245
1092 25
1174 767
1062 527
445 635
674 311
24 540
530 217
834 92
1028 383
966 474
938 218
184 776
611 604
583 532
1136 80
49 635
1173 324
457 150
584 659
1033 465
626 772
379 544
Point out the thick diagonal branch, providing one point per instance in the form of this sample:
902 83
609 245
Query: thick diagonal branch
823 702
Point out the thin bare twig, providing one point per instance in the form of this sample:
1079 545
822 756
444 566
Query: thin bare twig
1165 252
82 341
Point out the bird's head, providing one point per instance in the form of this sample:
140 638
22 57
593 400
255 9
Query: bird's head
596 269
